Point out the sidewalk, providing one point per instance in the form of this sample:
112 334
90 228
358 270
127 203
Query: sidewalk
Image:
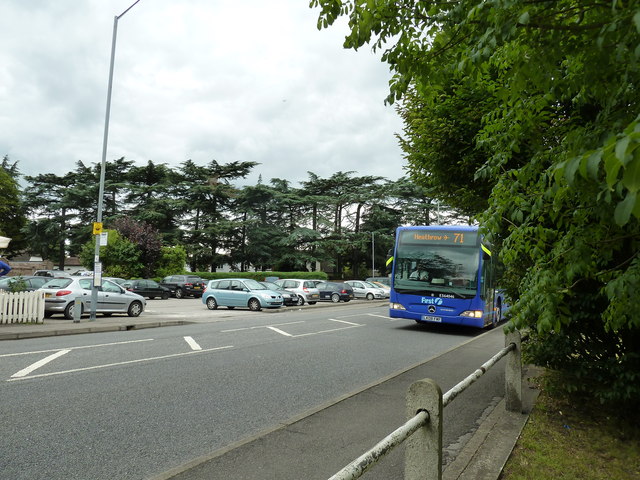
54 327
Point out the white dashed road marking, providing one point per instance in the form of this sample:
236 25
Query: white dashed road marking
113 364
34 366
277 330
192 343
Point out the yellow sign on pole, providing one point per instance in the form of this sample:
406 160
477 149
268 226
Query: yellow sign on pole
97 228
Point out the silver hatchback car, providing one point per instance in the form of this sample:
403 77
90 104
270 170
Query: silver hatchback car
362 289
60 296
306 289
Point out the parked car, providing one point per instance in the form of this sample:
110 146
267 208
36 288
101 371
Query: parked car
362 289
240 292
305 289
51 274
385 280
60 296
335 291
385 288
288 298
182 286
118 280
147 288
26 283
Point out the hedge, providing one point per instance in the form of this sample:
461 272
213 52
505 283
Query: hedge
260 276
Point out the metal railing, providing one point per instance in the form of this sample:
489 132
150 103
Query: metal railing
21 307
423 430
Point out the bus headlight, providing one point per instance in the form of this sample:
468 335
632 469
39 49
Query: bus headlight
472 313
396 306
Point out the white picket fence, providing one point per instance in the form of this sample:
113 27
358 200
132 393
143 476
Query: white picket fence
21 307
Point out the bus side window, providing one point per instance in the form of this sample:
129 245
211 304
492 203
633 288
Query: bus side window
486 278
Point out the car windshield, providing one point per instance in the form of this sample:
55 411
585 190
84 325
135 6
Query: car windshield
254 284
57 283
272 286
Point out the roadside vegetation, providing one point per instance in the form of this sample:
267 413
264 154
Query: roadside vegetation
524 115
571 437
160 218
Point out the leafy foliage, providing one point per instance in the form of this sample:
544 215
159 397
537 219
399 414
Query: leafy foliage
12 212
146 238
553 89
120 257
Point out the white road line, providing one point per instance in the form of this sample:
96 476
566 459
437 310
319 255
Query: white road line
192 343
119 363
258 327
348 323
326 331
26 371
386 317
75 348
277 330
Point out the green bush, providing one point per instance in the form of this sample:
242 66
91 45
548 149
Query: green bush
260 276
589 359
17 284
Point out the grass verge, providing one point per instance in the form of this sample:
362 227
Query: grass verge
569 438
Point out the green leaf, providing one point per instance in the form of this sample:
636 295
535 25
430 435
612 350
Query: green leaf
524 18
636 20
631 177
621 148
571 168
624 209
612 166
593 163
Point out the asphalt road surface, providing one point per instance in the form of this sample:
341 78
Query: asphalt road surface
129 405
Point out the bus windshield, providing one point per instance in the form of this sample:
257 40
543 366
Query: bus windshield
436 269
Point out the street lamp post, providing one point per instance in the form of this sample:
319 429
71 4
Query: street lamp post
97 266
373 255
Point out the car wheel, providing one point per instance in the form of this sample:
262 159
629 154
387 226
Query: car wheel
335 298
300 301
254 305
179 293
135 309
347 300
151 297
369 296
312 303
211 303
231 308
165 295
48 314
68 312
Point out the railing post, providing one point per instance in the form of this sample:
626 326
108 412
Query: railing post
513 374
423 454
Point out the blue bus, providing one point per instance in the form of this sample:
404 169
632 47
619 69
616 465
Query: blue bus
444 274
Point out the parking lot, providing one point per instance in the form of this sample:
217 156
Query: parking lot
192 309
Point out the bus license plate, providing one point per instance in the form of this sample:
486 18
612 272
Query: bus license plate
428 318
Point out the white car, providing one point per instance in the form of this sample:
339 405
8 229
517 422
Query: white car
362 289
306 289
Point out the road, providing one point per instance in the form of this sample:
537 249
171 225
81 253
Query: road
134 404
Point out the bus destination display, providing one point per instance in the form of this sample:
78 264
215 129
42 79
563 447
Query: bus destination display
444 237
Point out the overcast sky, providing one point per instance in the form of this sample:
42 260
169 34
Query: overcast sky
230 80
